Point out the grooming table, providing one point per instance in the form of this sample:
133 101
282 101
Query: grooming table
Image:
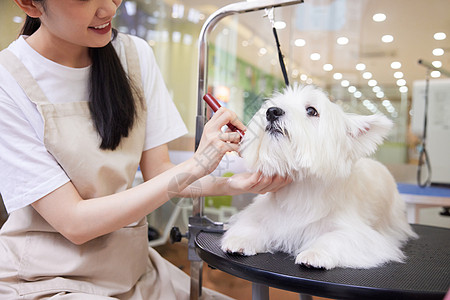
425 275
417 197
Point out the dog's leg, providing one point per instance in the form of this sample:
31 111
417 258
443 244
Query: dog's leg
360 248
244 240
248 234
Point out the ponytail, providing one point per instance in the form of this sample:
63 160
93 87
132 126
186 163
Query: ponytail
111 103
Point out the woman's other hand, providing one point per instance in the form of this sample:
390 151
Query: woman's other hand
256 183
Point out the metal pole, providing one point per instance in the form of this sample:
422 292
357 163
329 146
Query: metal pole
198 202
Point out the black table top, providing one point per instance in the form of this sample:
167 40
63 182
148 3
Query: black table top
424 275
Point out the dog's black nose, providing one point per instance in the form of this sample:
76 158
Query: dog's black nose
273 113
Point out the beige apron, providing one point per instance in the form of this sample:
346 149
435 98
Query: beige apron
36 262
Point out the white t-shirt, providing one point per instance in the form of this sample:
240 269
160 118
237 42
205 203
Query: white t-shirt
27 171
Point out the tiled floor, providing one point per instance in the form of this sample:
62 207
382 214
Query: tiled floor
235 287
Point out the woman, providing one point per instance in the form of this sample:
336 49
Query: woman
79 114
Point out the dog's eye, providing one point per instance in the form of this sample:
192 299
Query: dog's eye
311 111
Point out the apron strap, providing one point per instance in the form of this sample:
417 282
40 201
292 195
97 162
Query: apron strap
133 66
23 77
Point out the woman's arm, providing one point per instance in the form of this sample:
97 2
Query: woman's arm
82 220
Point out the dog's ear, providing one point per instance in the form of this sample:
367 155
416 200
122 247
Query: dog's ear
367 132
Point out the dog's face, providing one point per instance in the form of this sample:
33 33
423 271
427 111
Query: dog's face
301 133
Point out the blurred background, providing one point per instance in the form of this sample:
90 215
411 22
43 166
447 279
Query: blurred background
363 53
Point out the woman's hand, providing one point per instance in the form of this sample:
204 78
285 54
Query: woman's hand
256 183
214 143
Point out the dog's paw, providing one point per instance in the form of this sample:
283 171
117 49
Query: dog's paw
315 259
239 245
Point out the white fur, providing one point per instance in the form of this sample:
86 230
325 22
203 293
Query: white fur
341 210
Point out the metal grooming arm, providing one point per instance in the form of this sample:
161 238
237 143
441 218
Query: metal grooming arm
198 222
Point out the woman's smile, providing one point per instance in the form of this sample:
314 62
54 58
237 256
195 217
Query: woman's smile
102 29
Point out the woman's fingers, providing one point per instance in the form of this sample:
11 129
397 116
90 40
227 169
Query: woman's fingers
222 117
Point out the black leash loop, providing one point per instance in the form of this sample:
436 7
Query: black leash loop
280 57
423 154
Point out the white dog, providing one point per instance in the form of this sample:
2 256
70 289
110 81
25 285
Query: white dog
341 210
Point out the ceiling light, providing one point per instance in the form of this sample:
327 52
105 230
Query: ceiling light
345 83
401 82
315 56
372 82
439 36
386 103
398 75
295 73
379 17
279 25
303 77
367 75
376 89
262 51
327 67
387 38
360 67
396 65
337 76
403 89
342 40
299 42
380 94
351 89
435 74
357 94
437 64
438 52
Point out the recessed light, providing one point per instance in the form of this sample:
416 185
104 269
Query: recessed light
438 52
387 38
279 25
396 65
367 75
401 82
437 64
299 42
360 67
403 89
376 89
435 74
379 17
327 67
337 76
439 36
342 40
398 75
345 83
315 56
372 82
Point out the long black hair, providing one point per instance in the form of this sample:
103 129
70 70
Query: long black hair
111 102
